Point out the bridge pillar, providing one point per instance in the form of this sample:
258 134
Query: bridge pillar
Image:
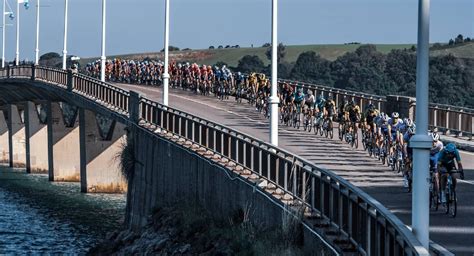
36 138
16 136
63 146
100 142
4 139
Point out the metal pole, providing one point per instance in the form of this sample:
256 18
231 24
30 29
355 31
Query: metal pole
166 76
102 57
3 35
421 142
274 100
37 32
65 34
17 53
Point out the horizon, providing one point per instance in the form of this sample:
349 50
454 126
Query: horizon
138 27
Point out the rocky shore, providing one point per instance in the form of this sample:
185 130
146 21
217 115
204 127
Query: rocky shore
172 231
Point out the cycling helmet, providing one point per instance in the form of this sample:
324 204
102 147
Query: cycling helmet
300 90
408 122
310 92
411 130
435 136
395 115
239 74
371 106
450 148
352 102
385 118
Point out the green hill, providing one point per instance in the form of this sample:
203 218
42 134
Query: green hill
231 56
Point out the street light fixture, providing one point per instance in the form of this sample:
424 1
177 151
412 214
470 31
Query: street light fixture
166 76
274 100
65 34
11 16
102 57
26 5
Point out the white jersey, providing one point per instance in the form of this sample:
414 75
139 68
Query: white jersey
437 147
396 126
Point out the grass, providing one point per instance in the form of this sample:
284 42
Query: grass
231 56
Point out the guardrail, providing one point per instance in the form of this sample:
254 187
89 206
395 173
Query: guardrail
363 221
445 118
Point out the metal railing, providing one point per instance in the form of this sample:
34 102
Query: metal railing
445 118
339 205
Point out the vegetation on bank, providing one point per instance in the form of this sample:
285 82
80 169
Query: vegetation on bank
191 230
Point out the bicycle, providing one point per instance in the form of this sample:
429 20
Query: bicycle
451 198
318 123
434 189
297 117
328 128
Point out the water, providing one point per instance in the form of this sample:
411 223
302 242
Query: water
40 217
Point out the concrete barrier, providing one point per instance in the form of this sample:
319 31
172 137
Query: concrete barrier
4 139
17 137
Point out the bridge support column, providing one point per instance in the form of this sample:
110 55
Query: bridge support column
4 139
100 141
16 134
63 146
36 140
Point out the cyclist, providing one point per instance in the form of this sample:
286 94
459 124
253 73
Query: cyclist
329 108
309 102
298 99
446 164
368 118
395 126
435 149
352 113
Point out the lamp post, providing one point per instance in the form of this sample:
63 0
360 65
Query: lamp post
17 53
3 33
65 34
421 142
166 76
102 57
37 32
274 100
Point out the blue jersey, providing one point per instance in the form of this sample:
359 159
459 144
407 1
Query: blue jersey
299 97
444 159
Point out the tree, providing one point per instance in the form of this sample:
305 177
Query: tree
250 63
227 46
451 42
312 68
400 69
171 48
467 39
362 70
211 47
281 51
49 55
221 64
459 39
265 45
220 47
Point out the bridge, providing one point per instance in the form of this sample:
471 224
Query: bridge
209 151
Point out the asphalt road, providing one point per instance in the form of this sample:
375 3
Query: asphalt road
455 234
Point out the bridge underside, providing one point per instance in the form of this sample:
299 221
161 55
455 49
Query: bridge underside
45 129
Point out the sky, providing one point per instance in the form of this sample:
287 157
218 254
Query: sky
136 26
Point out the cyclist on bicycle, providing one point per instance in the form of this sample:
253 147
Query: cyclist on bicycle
298 99
329 108
446 165
309 102
352 112
368 118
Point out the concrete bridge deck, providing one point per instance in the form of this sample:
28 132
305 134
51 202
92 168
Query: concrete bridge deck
457 235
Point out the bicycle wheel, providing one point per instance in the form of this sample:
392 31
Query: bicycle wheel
310 124
305 123
355 138
364 140
453 204
339 129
